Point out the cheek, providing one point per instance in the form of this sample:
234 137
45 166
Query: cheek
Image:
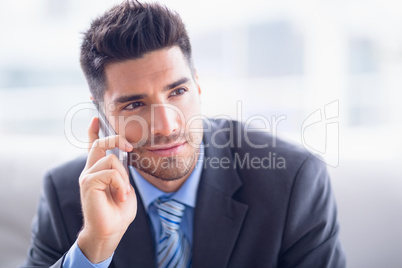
194 122
135 130
191 107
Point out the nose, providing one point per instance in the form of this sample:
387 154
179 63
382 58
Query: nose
165 119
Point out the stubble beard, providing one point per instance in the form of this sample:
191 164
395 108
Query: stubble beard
169 168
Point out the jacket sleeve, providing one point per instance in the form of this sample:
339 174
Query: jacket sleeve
310 237
49 240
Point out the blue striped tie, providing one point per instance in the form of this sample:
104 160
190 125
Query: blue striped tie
173 248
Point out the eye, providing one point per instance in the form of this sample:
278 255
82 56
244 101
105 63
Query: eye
133 105
178 91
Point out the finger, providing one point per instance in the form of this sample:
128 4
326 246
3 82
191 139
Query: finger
101 180
93 131
110 162
100 146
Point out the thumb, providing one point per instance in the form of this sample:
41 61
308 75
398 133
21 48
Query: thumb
93 131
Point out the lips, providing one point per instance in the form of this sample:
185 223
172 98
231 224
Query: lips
167 149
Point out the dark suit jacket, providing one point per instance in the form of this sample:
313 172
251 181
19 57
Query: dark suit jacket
247 213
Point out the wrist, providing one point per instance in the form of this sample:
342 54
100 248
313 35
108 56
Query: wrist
97 249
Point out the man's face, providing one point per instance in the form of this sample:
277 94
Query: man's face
151 100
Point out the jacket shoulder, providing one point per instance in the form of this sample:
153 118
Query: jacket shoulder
255 150
69 168
65 175
61 186
58 218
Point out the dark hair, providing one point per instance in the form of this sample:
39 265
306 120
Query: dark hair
128 31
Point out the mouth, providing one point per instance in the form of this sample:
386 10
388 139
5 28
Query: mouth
167 149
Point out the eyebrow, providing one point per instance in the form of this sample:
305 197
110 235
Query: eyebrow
129 98
134 97
179 82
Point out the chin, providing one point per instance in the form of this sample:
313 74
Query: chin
170 168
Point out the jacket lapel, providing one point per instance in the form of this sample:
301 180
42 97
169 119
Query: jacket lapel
218 217
136 249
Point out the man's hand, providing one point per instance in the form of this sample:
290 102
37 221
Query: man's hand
108 200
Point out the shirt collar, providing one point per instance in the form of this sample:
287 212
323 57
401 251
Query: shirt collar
186 194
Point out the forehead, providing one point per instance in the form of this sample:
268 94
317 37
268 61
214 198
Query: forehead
154 70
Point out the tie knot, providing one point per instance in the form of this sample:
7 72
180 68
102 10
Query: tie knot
170 213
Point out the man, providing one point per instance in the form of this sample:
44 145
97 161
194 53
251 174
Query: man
198 192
